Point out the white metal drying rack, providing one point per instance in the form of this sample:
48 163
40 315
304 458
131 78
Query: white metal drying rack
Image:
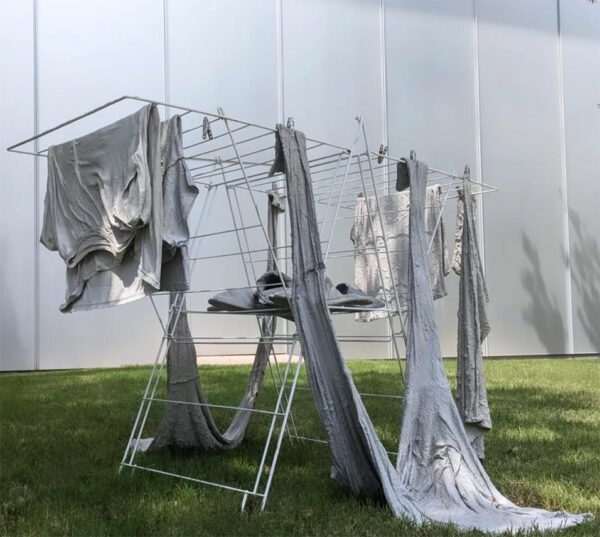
227 153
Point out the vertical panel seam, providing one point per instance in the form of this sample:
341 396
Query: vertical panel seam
384 115
564 184
36 194
478 145
280 66
383 67
167 95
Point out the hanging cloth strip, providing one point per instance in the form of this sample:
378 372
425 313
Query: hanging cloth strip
193 426
439 478
473 324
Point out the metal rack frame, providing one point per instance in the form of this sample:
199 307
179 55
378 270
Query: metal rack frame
238 159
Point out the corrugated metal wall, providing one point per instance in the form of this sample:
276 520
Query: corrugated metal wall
509 87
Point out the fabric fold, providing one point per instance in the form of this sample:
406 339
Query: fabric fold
439 478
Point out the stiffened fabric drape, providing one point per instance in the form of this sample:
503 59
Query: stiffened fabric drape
473 325
439 477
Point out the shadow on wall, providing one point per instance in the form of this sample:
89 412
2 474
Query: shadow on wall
542 313
585 276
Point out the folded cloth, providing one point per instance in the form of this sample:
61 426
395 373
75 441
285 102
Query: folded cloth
271 294
394 210
156 258
344 295
234 300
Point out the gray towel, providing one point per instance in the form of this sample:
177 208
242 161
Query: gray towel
394 211
473 324
439 477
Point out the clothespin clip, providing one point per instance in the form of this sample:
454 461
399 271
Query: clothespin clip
413 154
220 111
206 130
290 123
382 152
467 173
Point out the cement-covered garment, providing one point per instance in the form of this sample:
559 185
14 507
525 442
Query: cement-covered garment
439 477
370 253
473 324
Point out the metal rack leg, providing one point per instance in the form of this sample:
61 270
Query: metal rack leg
272 427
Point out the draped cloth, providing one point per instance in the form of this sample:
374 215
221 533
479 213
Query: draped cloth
473 324
438 476
193 426
370 248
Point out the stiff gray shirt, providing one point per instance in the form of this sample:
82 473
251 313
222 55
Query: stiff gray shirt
394 211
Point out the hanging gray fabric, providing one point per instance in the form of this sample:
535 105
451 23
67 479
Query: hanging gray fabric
102 205
394 213
116 209
173 195
359 460
473 325
439 477
193 426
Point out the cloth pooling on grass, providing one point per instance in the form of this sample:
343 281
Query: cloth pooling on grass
438 476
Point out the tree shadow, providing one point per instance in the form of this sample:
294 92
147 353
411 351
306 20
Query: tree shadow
585 276
542 313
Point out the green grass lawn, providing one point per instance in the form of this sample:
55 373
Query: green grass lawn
62 435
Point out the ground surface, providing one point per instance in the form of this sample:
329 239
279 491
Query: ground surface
62 436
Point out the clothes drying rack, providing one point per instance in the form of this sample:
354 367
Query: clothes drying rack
226 154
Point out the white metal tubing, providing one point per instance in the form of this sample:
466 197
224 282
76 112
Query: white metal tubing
257 210
439 218
370 218
187 478
213 405
177 308
337 209
271 428
288 409
237 236
337 166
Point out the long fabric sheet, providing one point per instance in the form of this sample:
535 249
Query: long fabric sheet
193 426
394 220
439 478
473 324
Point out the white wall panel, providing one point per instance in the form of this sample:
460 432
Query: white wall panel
580 33
224 53
431 104
521 153
332 72
17 338
89 53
